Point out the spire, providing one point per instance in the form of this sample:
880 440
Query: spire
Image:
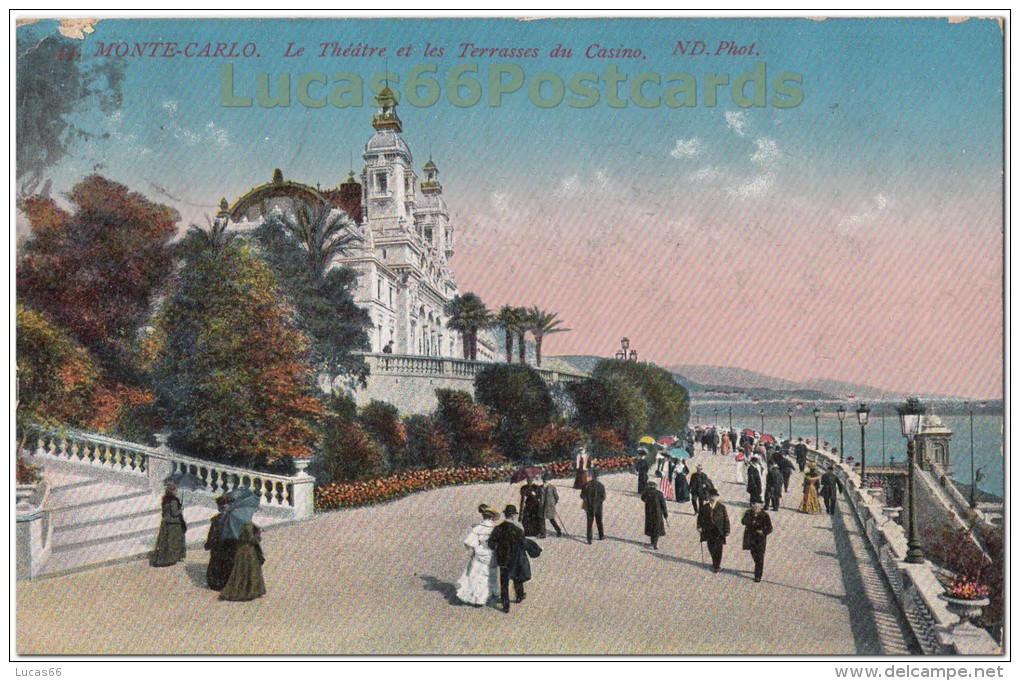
430 185
387 118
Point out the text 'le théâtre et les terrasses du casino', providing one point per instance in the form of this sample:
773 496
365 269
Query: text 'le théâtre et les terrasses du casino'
611 76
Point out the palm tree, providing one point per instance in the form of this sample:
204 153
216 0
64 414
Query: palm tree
542 324
468 314
523 326
324 232
509 319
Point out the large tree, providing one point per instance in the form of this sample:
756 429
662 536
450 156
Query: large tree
519 399
541 324
666 401
231 369
468 428
509 319
95 270
324 232
468 315
322 298
53 85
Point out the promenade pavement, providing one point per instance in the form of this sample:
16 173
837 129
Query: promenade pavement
381 580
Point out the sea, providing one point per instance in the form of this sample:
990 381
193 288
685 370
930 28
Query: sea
883 441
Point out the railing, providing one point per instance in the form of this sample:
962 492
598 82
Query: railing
288 493
917 590
420 365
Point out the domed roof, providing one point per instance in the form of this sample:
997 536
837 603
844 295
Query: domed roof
387 141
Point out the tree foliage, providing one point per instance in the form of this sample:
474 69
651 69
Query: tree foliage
323 300
231 371
519 400
51 87
348 451
666 401
468 315
382 421
94 271
541 324
468 427
427 444
555 441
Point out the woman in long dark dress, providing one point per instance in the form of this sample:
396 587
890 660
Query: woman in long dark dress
531 509
680 486
245 582
170 543
221 548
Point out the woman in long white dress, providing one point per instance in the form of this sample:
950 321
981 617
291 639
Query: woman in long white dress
480 580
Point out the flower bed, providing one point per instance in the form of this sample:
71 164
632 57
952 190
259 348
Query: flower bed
396 485
965 589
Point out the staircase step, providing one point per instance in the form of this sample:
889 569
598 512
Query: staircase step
84 534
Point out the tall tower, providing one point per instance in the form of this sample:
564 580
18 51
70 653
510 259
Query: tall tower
388 180
433 216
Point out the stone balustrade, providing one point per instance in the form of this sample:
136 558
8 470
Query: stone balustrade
34 531
419 365
290 494
916 587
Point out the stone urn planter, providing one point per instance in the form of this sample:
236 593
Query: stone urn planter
966 609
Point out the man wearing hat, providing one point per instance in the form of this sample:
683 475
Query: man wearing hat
714 526
592 497
503 540
754 481
831 488
700 486
757 528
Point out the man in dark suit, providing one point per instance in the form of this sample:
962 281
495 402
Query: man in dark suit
831 488
754 483
592 497
801 451
714 526
757 528
773 487
701 487
503 540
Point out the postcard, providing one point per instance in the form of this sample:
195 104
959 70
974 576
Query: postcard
655 337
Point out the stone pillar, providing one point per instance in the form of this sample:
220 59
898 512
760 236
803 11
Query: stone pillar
303 491
33 539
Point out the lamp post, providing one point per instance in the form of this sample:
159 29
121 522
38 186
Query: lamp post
862 418
731 417
841 414
715 415
910 424
763 419
789 423
624 344
817 412
883 438
973 482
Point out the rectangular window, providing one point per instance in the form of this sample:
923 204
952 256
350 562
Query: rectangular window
380 182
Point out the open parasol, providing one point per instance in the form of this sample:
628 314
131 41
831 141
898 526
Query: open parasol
647 440
525 472
666 440
239 512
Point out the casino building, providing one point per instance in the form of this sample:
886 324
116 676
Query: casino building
406 239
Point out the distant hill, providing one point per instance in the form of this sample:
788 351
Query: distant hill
732 383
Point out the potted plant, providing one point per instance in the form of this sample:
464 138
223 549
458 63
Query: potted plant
966 597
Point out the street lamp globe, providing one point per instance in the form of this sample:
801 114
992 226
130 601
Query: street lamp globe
862 414
841 413
625 343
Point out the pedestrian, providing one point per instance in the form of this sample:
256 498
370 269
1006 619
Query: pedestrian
714 527
641 466
801 452
809 503
246 582
655 514
592 498
531 508
726 443
550 497
741 458
754 481
388 349
170 543
757 528
680 484
480 582
831 488
786 468
660 460
221 547
582 462
773 487
505 536
701 486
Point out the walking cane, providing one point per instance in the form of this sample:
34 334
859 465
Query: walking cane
560 518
